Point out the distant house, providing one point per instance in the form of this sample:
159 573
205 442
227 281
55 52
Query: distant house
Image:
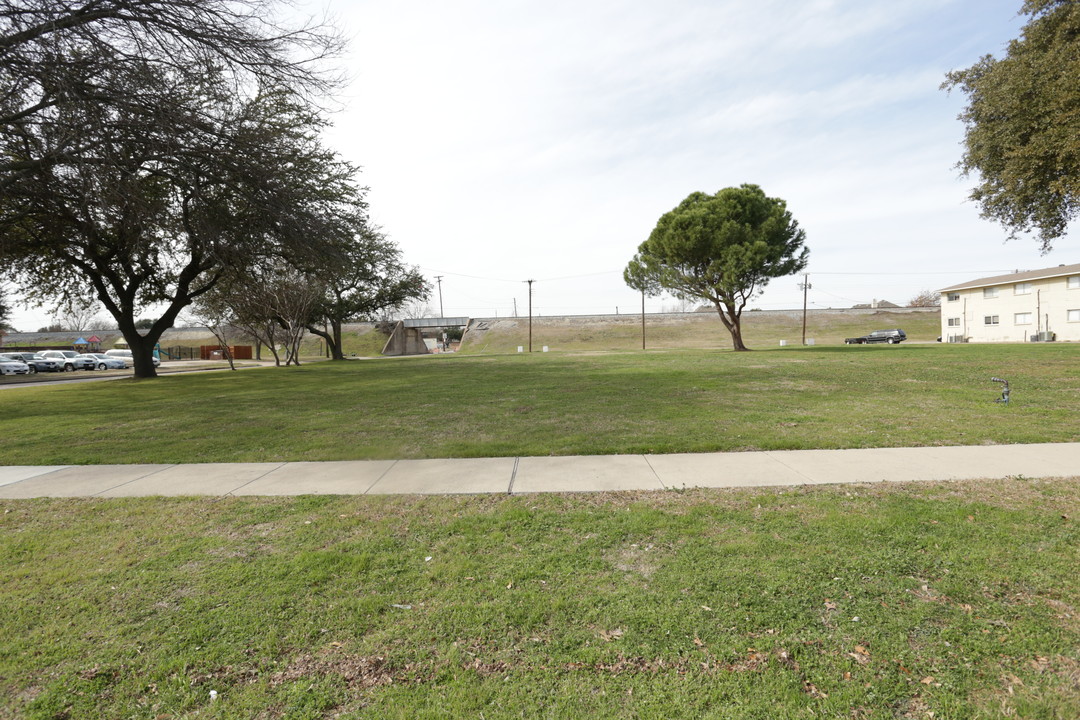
1040 304
874 305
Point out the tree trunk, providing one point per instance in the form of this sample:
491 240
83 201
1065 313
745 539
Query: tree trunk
142 354
733 322
337 352
332 337
736 337
223 343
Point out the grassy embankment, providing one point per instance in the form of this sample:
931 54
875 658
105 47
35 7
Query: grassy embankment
557 403
761 330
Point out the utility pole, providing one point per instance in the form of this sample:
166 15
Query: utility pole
642 319
805 286
438 279
530 314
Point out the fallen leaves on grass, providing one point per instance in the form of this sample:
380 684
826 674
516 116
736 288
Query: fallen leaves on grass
609 635
861 655
359 671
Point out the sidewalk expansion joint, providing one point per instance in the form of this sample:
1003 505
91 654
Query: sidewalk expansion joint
513 476
379 479
141 477
769 454
655 474
254 479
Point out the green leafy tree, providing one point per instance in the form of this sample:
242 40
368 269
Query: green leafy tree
159 222
149 147
721 248
369 279
1022 125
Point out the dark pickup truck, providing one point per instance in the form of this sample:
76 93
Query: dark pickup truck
878 336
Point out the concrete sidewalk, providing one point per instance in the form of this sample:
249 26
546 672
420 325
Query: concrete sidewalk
544 474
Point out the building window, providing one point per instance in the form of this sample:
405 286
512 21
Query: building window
953 297
1022 289
954 322
1074 316
990 292
1073 283
990 320
1022 318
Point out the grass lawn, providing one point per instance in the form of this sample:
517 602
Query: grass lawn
557 403
953 600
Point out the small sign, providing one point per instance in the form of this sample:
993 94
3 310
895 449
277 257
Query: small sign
521 348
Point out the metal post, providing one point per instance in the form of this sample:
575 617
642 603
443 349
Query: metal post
805 287
530 314
1038 311
642 319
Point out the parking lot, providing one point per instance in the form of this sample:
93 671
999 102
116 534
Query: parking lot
167 368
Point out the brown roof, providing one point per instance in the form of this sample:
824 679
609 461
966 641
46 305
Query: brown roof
1057 271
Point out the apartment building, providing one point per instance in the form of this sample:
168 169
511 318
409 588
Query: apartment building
1035 304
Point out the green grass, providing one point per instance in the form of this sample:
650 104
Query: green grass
556 403
954 600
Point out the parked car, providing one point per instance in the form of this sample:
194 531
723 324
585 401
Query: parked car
71 359
107 362
36 362
45 364
13 367
878 336
126 355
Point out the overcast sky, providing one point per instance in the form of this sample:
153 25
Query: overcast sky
515 139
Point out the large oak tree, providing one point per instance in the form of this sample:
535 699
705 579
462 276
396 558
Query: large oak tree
150 147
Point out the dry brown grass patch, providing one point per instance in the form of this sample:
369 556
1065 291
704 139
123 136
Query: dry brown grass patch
358 671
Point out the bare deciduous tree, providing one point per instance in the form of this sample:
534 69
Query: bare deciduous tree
926 298
78 314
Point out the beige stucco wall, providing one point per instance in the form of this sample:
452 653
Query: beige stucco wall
1048 303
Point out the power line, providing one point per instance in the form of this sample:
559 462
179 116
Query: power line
575 277
932 272
471 277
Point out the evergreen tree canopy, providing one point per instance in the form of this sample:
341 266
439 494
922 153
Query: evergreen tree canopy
722 248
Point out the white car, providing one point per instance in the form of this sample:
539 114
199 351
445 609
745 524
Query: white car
71 359
126 356
13 367
107 362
